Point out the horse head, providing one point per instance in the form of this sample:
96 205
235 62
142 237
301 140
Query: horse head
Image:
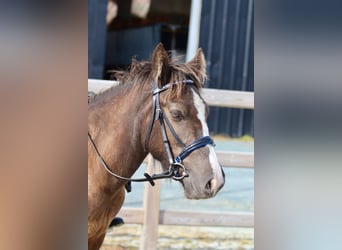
182 113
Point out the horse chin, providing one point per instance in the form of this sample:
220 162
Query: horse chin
191 192
196 196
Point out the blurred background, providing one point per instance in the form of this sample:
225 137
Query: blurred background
44 70
122 29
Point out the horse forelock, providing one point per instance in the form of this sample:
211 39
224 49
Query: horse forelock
139 73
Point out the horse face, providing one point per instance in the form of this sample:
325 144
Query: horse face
187 113
188 118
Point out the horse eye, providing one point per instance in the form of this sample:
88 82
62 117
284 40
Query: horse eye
176 115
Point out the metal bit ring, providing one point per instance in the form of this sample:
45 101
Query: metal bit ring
175 168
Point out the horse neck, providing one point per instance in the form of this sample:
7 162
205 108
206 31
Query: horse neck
118 127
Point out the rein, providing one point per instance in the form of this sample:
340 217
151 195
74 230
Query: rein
175 162
167 174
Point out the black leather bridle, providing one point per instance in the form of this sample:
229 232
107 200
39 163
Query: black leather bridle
175 162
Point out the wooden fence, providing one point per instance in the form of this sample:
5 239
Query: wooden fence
150 216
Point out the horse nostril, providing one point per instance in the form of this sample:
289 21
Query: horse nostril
213 186
208 185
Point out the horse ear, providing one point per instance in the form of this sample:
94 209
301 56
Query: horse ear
160 63
198 62
134 64
198 65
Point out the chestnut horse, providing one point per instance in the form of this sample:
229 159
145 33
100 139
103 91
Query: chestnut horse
122 130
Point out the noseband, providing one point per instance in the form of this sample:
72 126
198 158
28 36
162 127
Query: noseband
175 162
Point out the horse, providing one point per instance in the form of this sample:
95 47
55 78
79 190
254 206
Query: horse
157 108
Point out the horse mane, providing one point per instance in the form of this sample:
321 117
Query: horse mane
139 73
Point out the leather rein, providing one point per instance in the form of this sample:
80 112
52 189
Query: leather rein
175 162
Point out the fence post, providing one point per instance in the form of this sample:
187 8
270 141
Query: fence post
149 236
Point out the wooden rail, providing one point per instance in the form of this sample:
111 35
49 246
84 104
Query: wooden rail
150 216
213 97
235 159
190 218
228 98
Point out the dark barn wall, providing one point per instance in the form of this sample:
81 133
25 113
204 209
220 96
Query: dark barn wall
226 36
97 10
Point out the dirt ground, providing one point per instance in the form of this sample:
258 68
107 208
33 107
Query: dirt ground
127 237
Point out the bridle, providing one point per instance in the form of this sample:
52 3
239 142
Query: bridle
175 162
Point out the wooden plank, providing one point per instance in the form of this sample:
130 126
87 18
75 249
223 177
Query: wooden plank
132 215
191 218
149 234
214 97
232 219
233 159
228 98
236 159
96 86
